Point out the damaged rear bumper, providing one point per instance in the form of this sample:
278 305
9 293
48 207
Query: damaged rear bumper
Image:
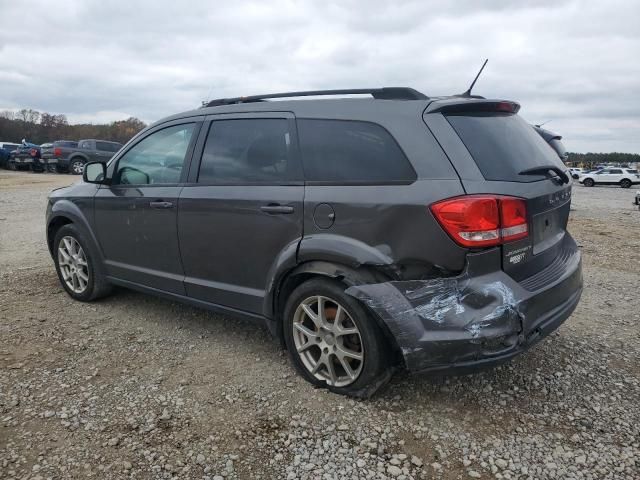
479 318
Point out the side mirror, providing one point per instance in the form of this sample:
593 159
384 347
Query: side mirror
94 172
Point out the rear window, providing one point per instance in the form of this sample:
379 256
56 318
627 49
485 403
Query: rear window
503 145
107 146
67 144
352 152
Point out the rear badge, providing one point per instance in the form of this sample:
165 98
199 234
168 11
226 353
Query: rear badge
517 255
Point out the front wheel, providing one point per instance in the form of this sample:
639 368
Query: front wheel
76 167
332 340
77 270
625 183
588 182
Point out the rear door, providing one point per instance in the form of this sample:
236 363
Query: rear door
492 152
241 212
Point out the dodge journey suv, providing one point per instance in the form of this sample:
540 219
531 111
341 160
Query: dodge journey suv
366 233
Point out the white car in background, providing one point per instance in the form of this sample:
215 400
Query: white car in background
576 172
625 177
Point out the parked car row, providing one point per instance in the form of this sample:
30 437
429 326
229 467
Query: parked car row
60 156
625 177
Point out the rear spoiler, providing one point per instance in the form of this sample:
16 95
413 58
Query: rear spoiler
459 104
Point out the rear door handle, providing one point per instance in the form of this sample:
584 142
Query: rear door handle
277 209
161 204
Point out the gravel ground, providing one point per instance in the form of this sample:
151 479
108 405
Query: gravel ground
138 387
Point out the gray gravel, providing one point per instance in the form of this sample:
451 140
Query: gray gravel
139 387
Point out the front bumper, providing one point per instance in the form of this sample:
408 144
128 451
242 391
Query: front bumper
482 317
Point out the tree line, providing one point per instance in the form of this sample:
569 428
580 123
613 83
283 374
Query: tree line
38 128
593 159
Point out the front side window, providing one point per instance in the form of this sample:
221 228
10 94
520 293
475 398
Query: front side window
158 159
248 151
351 152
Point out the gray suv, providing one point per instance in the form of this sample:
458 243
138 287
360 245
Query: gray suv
366 233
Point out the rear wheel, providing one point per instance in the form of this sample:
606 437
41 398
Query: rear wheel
332 340
588 182
76 167
625 183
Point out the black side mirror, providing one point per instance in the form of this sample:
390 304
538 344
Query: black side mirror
94 172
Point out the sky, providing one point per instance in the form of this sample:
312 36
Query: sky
574 64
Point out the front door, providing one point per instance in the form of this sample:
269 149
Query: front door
136 215
241 212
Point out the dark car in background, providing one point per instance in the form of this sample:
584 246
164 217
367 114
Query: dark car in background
400 230
5 152
52 153
22 157
73 159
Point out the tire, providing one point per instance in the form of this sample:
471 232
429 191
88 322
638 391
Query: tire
52 168
625 183
96 285
76 166
367 375
588 182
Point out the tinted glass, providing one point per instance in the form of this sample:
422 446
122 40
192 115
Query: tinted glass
351 152
632 171
503 145
247 151
616 171
86 144
67 144
158 159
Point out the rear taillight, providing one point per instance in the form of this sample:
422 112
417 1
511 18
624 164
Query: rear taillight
482 220
57 152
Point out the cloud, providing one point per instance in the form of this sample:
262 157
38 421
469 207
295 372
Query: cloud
572 62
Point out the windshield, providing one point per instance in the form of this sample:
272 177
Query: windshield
503 145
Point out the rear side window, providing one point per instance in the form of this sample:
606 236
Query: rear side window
107 146
503 145
344 151
615 171
248 151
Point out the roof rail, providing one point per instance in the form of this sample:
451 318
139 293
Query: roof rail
385 93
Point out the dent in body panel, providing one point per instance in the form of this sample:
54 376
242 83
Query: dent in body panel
457 317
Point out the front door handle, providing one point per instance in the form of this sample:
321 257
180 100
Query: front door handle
161 204
277 209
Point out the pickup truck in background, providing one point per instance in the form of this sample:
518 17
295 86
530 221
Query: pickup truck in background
22 157
51 152
73 159
5 152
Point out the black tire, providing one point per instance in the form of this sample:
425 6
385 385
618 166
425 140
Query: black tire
52 168
375 371
588 182
76 166
12 166
625 183
97 285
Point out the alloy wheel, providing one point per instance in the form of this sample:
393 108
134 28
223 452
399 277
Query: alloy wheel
328 341
73 264
77 168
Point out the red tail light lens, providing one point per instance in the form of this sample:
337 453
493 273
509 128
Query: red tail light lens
513 219
57 152
482 220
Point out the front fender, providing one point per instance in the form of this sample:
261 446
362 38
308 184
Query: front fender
80 212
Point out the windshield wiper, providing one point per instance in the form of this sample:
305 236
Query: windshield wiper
546 169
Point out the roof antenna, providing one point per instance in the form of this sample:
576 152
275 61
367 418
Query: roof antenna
468 92
543 123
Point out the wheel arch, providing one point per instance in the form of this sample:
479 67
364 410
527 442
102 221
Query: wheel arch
64 212
348 276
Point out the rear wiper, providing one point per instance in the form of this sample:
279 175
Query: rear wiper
545 169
